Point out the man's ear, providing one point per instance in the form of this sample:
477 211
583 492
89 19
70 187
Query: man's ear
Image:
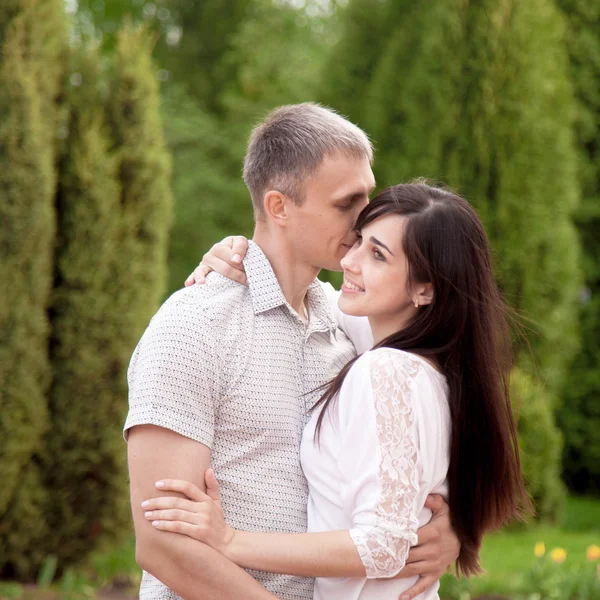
276 207
425 293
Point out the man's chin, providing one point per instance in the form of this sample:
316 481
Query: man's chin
333 265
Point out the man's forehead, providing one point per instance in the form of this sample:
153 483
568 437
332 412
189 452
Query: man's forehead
342 170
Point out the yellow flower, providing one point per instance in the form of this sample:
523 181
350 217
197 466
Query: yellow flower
540 549
558 555
593 553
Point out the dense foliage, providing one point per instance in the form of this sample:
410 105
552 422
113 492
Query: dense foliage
579 413
32 44
540 443
500 100
86 197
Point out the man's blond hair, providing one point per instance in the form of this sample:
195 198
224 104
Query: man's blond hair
290 145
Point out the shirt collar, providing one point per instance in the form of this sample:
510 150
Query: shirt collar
265 290
266 293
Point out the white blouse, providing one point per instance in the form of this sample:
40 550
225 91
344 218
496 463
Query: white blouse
384 447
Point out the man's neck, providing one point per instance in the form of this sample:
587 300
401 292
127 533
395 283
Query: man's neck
293 276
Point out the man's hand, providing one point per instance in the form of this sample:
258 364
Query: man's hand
225 258
437 549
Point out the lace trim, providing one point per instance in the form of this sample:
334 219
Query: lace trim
384 548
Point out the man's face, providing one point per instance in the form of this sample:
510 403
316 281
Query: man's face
322 227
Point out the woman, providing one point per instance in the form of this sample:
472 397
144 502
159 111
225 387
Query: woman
427 410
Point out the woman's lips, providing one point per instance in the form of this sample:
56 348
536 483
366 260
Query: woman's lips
350 287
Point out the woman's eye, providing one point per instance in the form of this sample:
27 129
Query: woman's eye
378 255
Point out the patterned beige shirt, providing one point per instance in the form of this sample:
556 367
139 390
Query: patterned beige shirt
236 369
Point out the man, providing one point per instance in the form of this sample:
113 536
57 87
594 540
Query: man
225 374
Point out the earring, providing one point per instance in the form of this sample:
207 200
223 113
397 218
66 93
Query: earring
416 304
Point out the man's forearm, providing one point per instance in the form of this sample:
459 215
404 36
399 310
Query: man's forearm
195 571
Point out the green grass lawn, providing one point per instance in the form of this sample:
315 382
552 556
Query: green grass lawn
506 555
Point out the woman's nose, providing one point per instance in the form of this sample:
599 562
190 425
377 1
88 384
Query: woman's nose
348 263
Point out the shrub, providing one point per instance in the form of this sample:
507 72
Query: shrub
540 443
579 413
114 214
31 47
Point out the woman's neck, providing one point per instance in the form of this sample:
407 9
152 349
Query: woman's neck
384 327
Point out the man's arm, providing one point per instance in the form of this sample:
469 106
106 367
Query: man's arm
437 549
188 567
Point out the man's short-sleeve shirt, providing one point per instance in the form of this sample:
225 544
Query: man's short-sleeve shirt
236 369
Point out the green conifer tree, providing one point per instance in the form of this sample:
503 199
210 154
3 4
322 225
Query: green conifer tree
31 66
144 168
114 214
83 456
513 156
579 414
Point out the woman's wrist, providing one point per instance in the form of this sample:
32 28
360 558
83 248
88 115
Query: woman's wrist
234 549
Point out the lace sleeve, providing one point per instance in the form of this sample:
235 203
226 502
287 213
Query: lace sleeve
384 545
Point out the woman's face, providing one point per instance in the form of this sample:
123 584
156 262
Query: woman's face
376 278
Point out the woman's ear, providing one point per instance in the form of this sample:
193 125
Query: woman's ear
424 293
276 207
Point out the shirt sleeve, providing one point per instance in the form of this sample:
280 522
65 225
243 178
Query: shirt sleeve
357 329
379 461
173 375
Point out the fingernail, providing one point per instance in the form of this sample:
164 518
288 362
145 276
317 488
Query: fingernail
160 484
148 514
236 258
155 523
200 281
145 503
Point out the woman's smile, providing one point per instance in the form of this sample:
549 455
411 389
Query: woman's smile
349 287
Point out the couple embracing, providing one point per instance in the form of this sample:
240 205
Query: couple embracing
289 441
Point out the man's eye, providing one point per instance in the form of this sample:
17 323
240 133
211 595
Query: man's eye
344 207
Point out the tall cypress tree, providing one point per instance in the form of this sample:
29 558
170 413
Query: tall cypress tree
579 415
144 167
513 155
84 464
31 64
114 208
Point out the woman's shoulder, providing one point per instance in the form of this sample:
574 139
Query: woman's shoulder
392 361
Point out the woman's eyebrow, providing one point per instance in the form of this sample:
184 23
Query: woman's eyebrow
375 241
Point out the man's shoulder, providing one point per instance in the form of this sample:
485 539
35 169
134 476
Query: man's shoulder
196 319
218 297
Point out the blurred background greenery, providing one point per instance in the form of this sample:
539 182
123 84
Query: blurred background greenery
123 124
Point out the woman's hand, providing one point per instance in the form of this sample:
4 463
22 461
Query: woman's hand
225 258
200 516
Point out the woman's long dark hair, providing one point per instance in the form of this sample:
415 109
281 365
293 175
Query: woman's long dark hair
465 332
